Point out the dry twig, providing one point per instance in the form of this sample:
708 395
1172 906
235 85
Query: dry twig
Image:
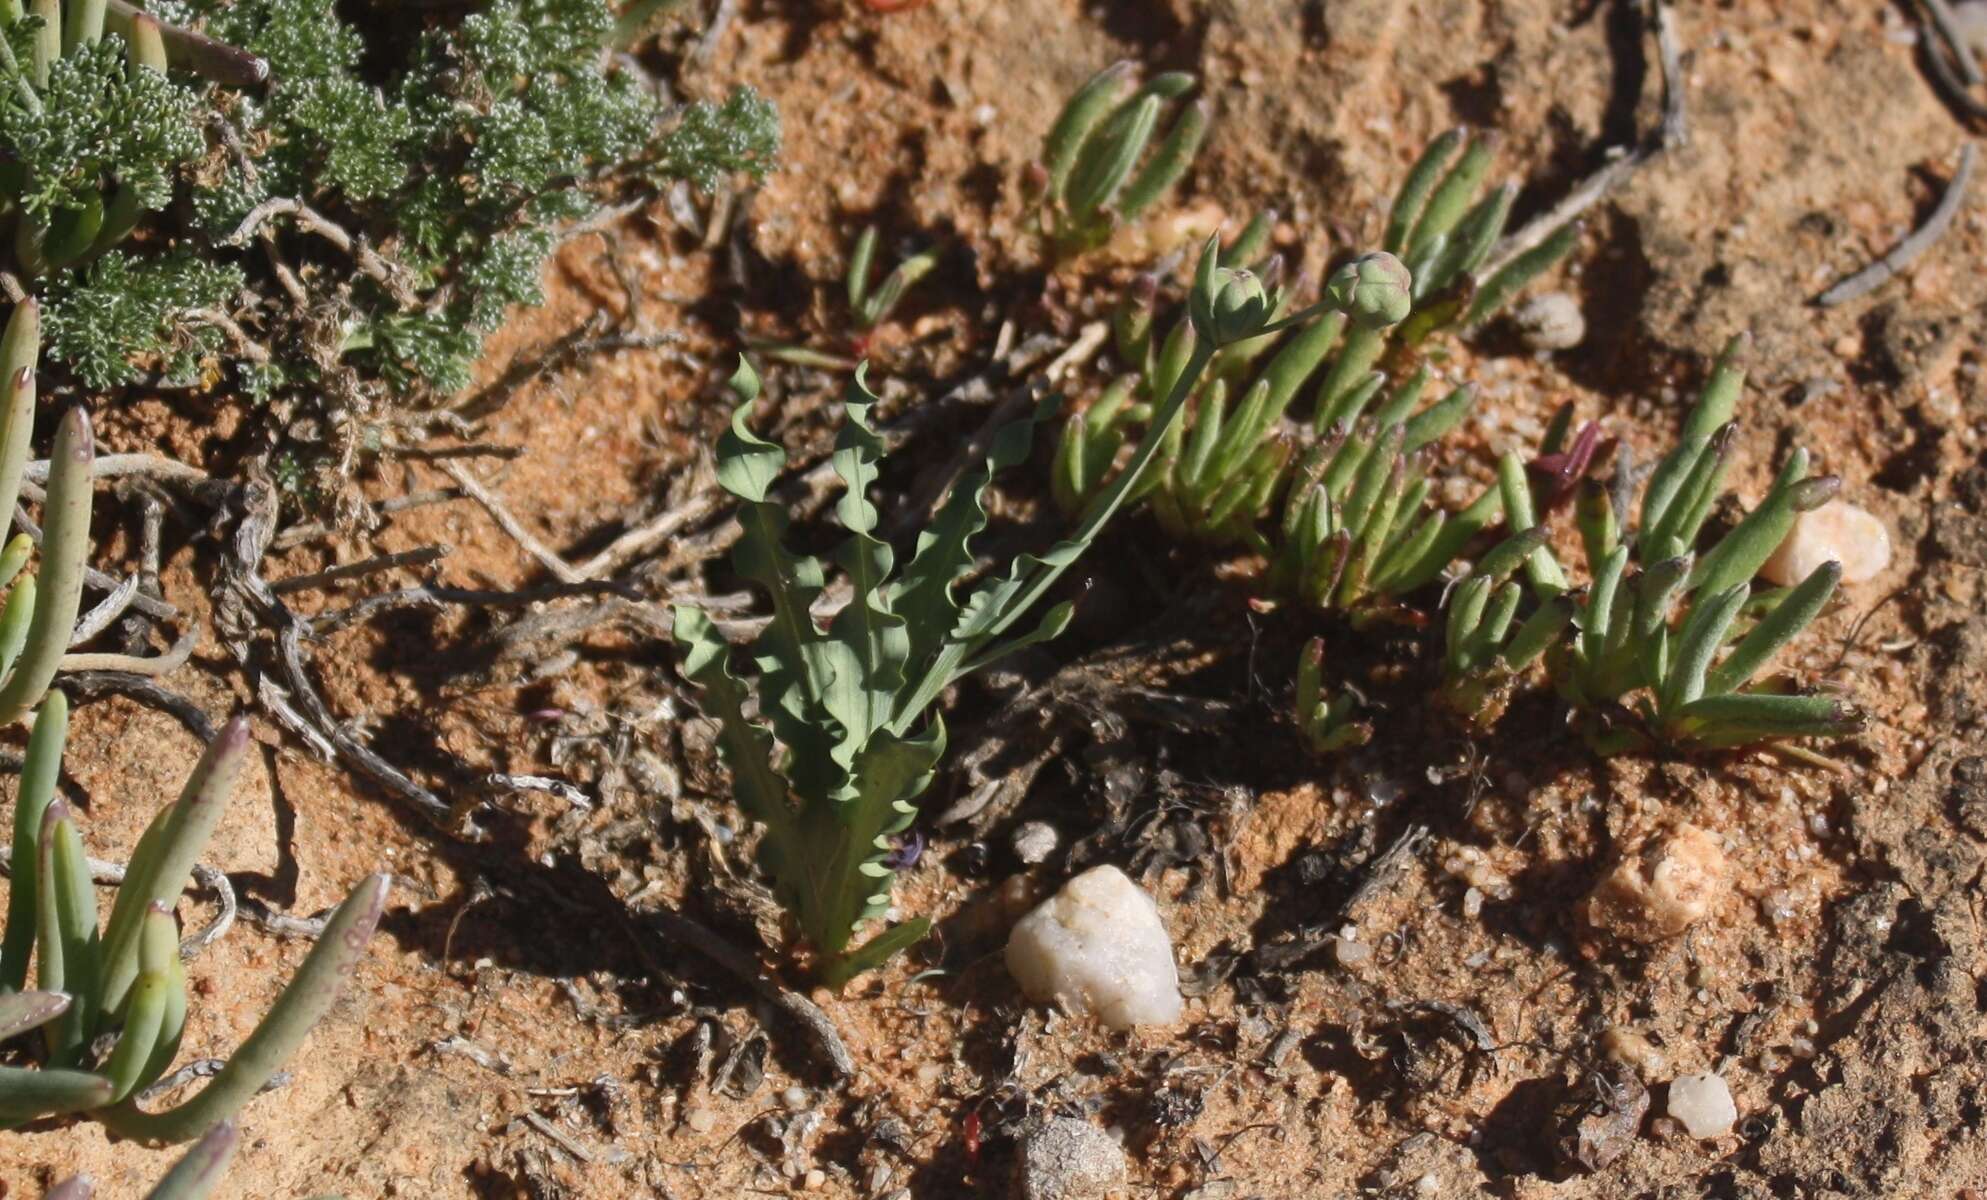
1916 243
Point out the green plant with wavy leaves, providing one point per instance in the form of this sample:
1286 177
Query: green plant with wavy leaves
845 739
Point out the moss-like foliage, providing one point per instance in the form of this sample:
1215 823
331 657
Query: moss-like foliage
279 199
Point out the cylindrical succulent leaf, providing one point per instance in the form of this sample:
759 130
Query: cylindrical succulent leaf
19 347
1801 605
84 26
1168 163
144 1014
66 937
23 1011
310 995
19 549
1493 293
164 862
861 263
28 1093
199 1171
1421 180
1079 117
65 546
39 774
1108 158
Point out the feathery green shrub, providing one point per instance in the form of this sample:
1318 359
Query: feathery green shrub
261 196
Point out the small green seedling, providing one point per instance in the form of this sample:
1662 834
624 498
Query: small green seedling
110 1001
1329 723
848 740
1095 175
872 305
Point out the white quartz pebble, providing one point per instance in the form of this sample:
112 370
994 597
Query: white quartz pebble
1098 947
1552 321
1837 532
1702 1104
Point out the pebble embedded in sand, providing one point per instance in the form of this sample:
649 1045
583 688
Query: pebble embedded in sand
1098 946
1671 883
1066 1158
1551 321
1702 1104
1837 532
1034 841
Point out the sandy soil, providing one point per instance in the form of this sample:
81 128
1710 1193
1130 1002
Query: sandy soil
523 1027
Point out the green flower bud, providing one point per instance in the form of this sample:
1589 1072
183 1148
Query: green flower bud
1375 290
1227 305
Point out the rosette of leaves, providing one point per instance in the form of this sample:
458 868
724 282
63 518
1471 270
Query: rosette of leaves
109 1003
1106 162
844 739
361 200
1239 469
1684 628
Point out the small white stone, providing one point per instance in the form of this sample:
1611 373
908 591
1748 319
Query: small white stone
1034 841
1835 532
1552 321
1702 1104
1098 946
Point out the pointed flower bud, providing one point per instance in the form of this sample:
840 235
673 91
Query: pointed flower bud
1375 290
1227 305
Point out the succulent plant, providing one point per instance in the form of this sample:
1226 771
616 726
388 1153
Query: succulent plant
1090 179
110 1002
1683 634
40 609
1328 723
1662 629
1338 502
848 742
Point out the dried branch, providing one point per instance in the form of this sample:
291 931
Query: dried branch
827 1041
1907 251
420 556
